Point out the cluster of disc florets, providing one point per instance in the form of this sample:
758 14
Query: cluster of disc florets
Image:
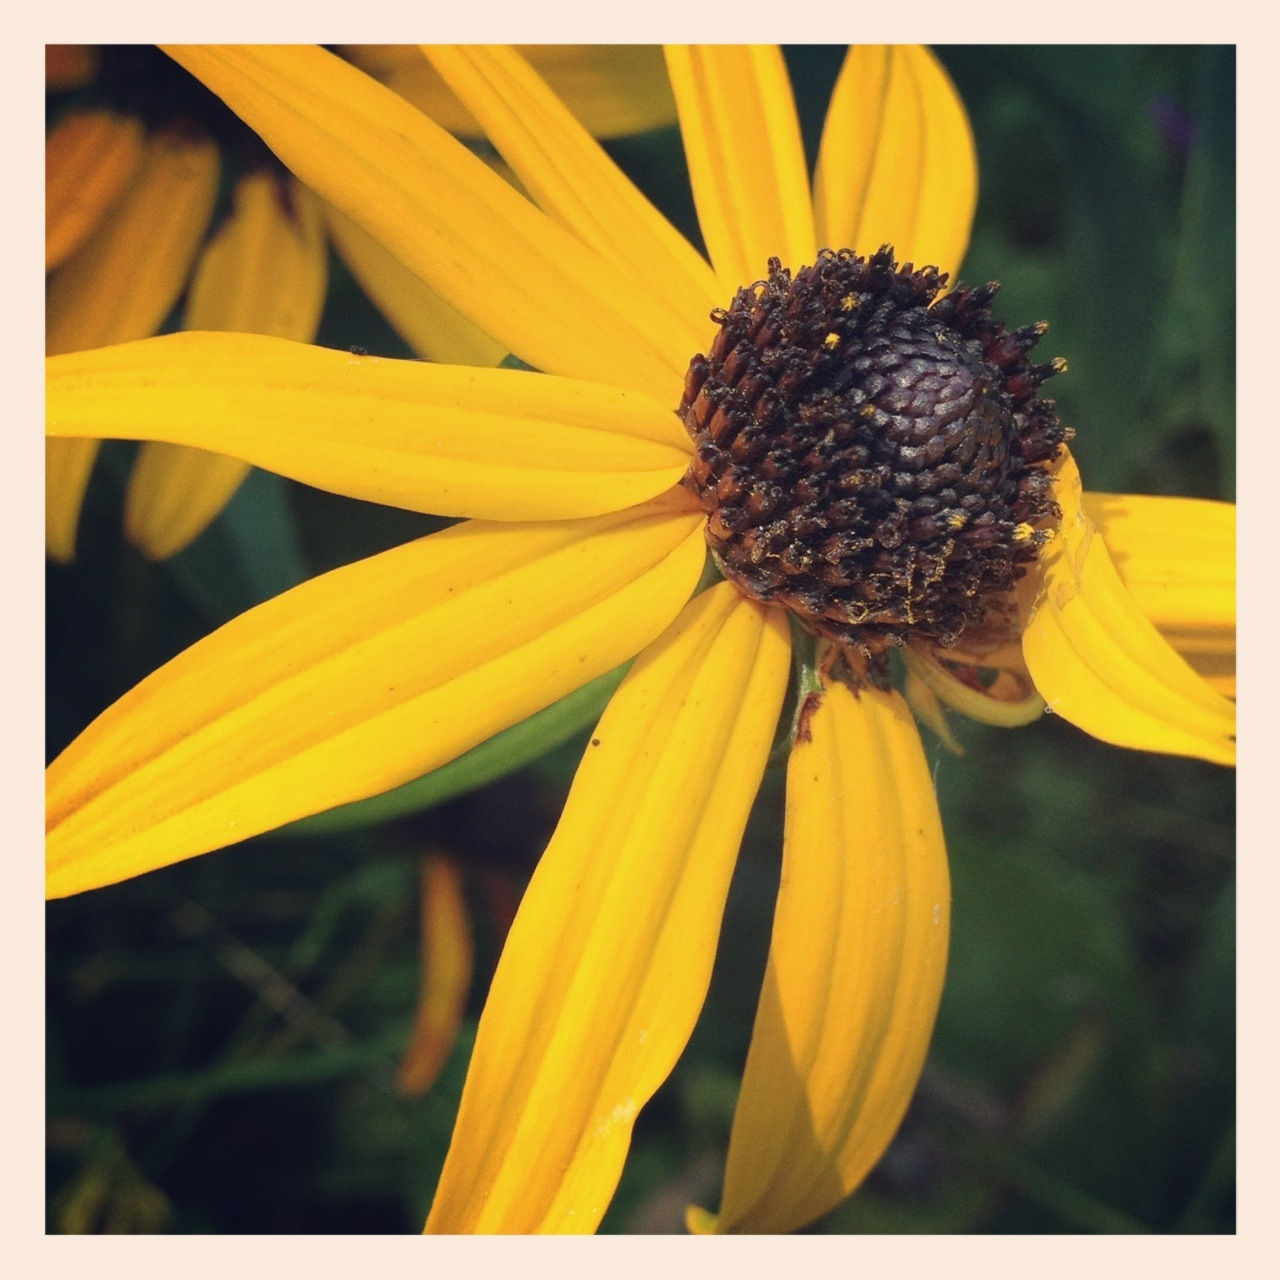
870 455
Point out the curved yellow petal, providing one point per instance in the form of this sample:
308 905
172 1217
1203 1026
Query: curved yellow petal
264 272
499 444
357 681
607 963
897 163
855 968
418 314
927 708
572 178
1177 558
447 953
1009 702
614 89
445 214
1098 662
746 158
119 285
89 159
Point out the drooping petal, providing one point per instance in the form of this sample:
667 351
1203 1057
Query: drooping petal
418 314
89 159
465 232
855 968
264 272
1008 702
572 178
746 159
119 285
494 443
613 89
447 953
1177 558
897 163
927 708
1097 660
359 680
607 962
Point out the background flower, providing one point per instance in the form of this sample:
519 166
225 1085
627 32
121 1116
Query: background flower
1036 307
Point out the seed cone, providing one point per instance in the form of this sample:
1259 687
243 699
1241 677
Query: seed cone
868 455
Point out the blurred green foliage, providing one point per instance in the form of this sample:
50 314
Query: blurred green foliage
223 1035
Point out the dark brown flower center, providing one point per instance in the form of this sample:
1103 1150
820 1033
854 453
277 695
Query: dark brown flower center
869 455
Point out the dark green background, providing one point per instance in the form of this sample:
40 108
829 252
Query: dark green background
223 1035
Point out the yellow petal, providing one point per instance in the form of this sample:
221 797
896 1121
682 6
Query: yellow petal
855 967
67 464
1177 557
264 272
418 314
119 285
746 159
445 214
174 494
125 279
607 962
1009 702
359 680
89 158
614 89
927 708
897 163
446 974
571 177
496 443
1098 662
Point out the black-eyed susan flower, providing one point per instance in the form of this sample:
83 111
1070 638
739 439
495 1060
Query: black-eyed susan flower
864 454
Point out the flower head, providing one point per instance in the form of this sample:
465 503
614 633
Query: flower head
863 454
871 461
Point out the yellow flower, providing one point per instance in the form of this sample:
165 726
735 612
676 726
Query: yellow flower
581 549
128 208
